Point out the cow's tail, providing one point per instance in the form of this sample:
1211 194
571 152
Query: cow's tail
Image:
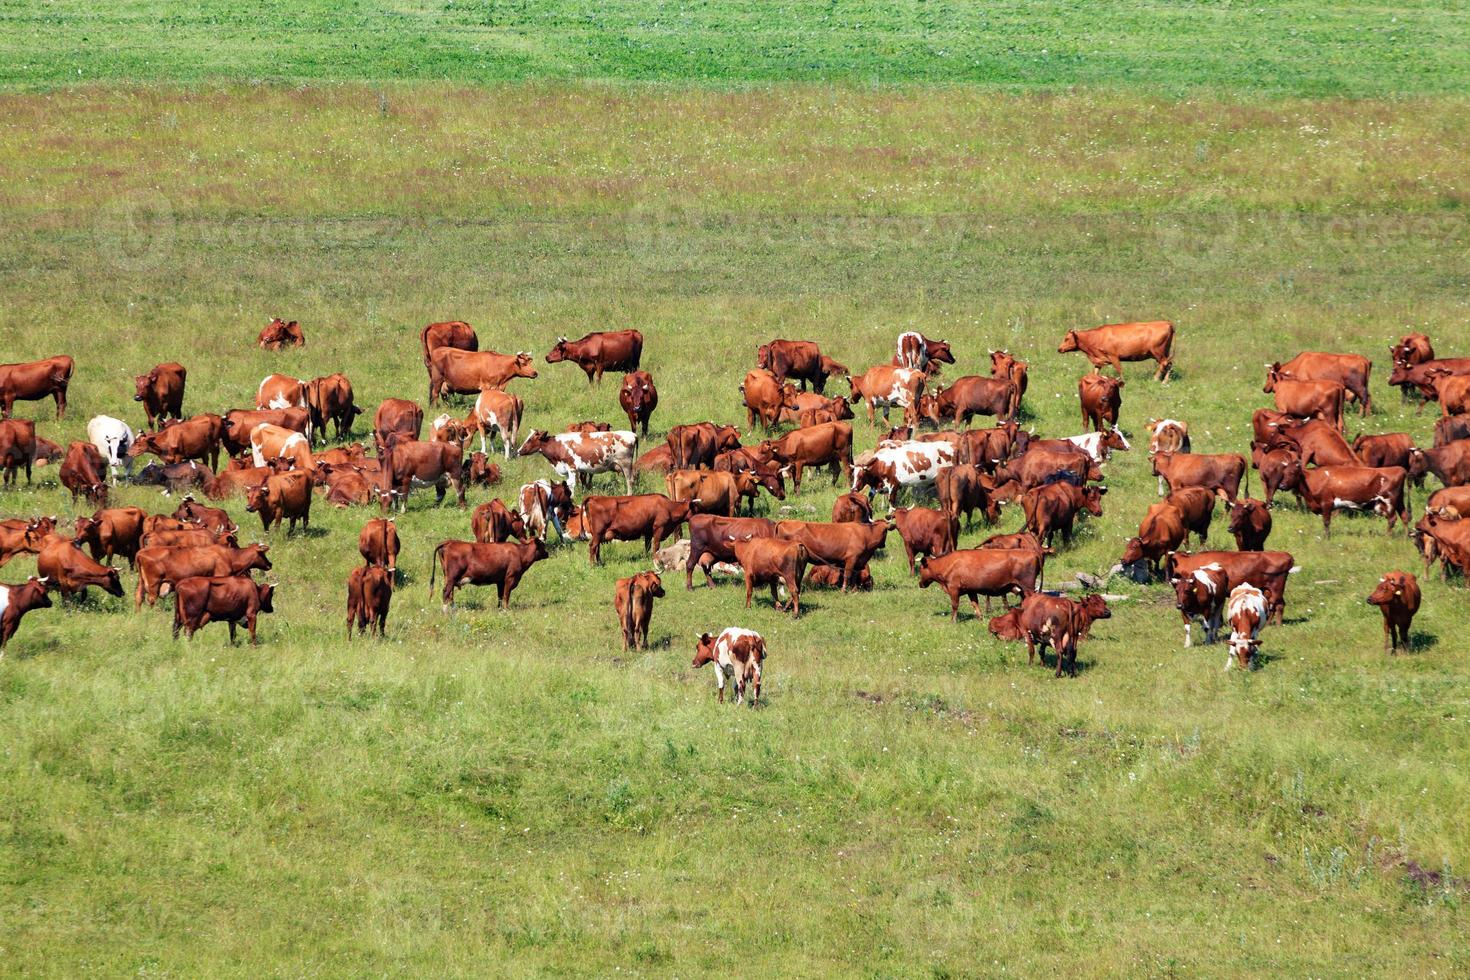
433 566
1245 479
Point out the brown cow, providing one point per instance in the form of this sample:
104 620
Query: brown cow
109 532
268 442
852 508
1101 398
464 372
798 360
1266 570
396 416
447 333
773 562
989 448
231 599
17 448
161 391
34 380
1413 348
964 489
496 523
177 442
974 572
369 593
737 654
1055 507
347 485
711 492
84 473
1250 523
1422 376
613 350
917 352
696 446
1114 343
190 537
712 539
160 568
279 391
20 536
848 546
1349 370
377 542
1386 449
970 396
1040 466
650 516
1201 594
66 569
174 477
828 577
1309 399
1051 621
497 411
214 518
1447 429
1397 597
16 601
1221 471
764 396
886 387
411 462
330 399
471 563
1331 488
659 459
925 532
1161 531
633 602
828 444
279 333
238 423
283 496
1453 393
638 397
1280 469
806 409
1003 365
1316 443
1167 436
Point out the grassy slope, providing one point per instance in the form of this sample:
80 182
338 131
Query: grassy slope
1295 47
488 786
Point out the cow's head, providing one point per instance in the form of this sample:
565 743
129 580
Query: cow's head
255 498
1092 500
927 407
856 394
727 437
763 356
1095 606
938 350
86 530
112 583
33 594
1132 551
143 384
1390 590
704 650
651 583
143 442
1069 343
264 593
1273 376
1115 439
832 368
482 472
524 366
558 353
535 443
1244 512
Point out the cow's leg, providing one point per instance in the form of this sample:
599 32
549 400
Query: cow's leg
231 625
1188 626
1388 638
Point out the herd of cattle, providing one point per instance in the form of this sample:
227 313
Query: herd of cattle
714 482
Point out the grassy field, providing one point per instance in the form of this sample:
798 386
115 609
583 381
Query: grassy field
1296 47
505 791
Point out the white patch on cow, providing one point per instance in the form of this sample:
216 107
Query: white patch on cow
438 424
112 437
1186 635
4 599
1091 444
1201 576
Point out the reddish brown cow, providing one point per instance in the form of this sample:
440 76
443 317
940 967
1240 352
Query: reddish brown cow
798 360
232 599
84 473
369 593
65 568
852 508
1349 370
19 536
774 562
970 396
1328 489
1101 397
160 568
828 444
447 333
1386 449
925 532
1315 443
470 563
330 399
161 391
1447 429
34 380
109 532
1250 523
16 601
1054 621
638 397
712 539
1310 399
49 452
711 492
989 448
1114 343
377 542
828 577
283 496
659 459
1039 467
614 350
1397 597
633 601
17 448
412 462
975 572
214 518
347 485
1161 531
650 516
1453 393
1223 471
279 333
177 442
848 546
696 446
1280 469
1412 349
396 416
805 408
1422 376
464 372
763 395
496 523
1055 507
963 489
237 480
1004 366
1266 570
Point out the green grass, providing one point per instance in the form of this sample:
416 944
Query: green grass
1166 46
497 792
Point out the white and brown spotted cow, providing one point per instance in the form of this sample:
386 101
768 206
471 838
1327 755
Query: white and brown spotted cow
1246 613
585 454
886 386
283 391
737 654
269 441
542 501
898 464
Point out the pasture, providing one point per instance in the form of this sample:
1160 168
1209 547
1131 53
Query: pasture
495 791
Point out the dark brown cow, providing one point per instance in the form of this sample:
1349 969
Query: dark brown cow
1039 467
161 391
650 516
330 399
696 446
21 536
970 396
377 542
160 568
84 473
447 333
1315 443
712 539
369 594
1412 349
975 572
463 372
1161 531
178 442
283 496
396 416
238 423
774 562
1349 370
115 531
764 395
633 601
470 563
1250 523
1450 463
174 477
1280 469
1055 507
925 532
412 462
613 350
34 380
797 360
1397 597
232 599
1113 343
1447 429
1266 570
1051 621
279 333
66 569
46 451
1101 398
852 508
1222 471
17 448
828 444
847 546
964 489
767 474
496 523
1329 489
16 601
638 397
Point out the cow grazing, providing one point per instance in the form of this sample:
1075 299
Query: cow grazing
1280 469
582 455
1450 463
22 536
828 444
470 563
161 391
447 333
269 442
697 445
638 397
738 654
908 465
69 571
1114 343
1245 610
463 372
887 387
1266 570
496 523
84 473
712 540
16 601
160 568
196 438
633 602
926 532
377 542
796 360
775 562
330 399
279 333
1250 523
18 448
109 532
232 599
542 501
412 463
369 593
1222 471
1328 489
975 572
34 380
1101 398
614 350
917 352
1055 507
1040 466
649 516
1201 594
1161 531
764 396
1397 597
396 417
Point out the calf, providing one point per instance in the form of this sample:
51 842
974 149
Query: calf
1201 594
925 532
650 516
377 542
1055 507
1329 489
16 601
1246 612
232 599
638 397
161 391
633 601
469 563
113 439
982 571
1223 471
283 496
773 562
613 350
1397 597
764 397
1161 531
84 473
34 380
279 333
1250 523
496 523
1101 398
738 654
1114 343
369 592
